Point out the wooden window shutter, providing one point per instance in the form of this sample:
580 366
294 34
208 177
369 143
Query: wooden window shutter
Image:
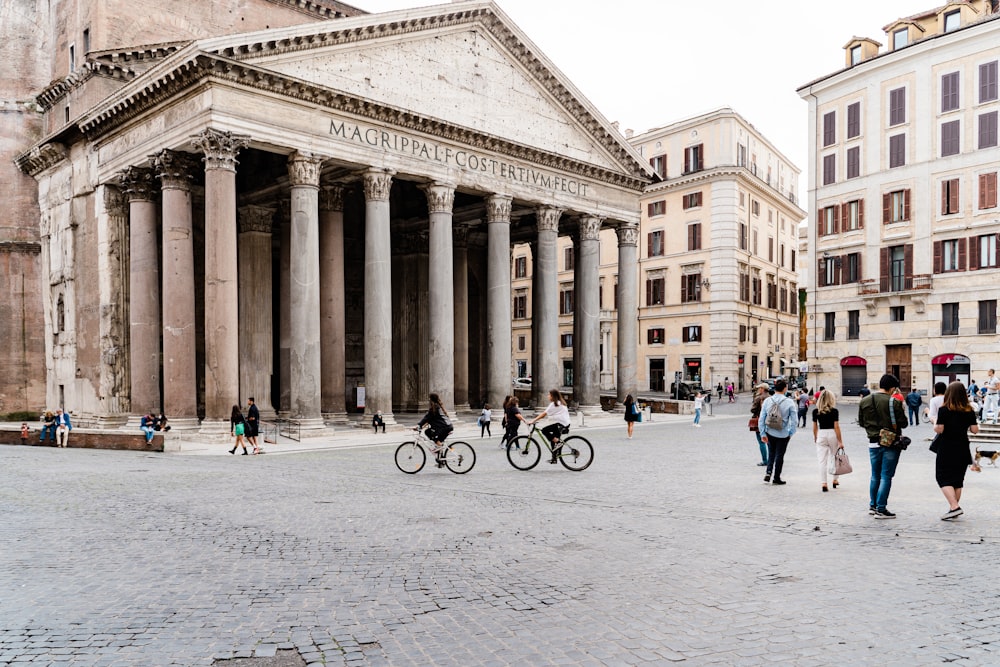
906 205
983 184
860 264
836 219
844 274
649 244
953 196
649 292
883 266
944 197
684 289
938 260
697 232
908 260
820 227
861 213
886 208
821 273
962 254
973 242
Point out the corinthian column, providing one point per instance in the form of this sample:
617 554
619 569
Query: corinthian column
331 304
378 295
548 375
587 313
180 385
461 300
256 316
306 388
222 341
498 296
628 309
139 186
441 285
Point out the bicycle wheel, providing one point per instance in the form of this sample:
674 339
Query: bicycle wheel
460 457
524 452
576 453
410 457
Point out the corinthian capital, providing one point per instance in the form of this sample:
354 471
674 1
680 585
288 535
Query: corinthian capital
628 235
114 201
440 197
498 209
548 218
175 169
138 184
378 182
256 219
303 169
220 148
331 198
590 227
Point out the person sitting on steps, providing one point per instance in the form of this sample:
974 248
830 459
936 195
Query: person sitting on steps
559 413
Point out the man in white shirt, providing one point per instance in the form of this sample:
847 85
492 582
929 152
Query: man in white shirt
992 386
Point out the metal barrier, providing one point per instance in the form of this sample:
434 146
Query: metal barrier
283 428
269 432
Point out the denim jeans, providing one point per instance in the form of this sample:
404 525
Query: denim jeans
884 460
763 448
914 416
776 454
697 415
47 432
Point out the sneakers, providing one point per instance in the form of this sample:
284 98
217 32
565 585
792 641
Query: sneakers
952 514
872 511
884 514
767 478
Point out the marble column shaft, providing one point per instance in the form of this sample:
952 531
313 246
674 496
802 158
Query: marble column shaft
628 309
332 301
378 294
139 186
180 383
461 300
587 311
545 309
256 298
441 284
284 308
222 341
498 300
306 387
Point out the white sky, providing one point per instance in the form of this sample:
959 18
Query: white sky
647 63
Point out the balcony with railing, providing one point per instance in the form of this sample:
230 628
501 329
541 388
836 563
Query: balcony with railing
917 283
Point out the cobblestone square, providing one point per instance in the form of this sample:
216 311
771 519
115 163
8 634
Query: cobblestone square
668 550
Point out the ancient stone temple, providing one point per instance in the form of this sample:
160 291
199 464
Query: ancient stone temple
318 213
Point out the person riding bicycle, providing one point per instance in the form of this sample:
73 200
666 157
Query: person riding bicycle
559 413
438 422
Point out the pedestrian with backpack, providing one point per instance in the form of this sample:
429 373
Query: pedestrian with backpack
779 417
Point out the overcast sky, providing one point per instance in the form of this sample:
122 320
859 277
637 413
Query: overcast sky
647 63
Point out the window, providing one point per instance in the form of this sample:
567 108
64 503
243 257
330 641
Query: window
520 267
693 159
851 268
983 252
853 324
950 138
988 130
659 165
566 340
854 215
692 200
694 236
988 190
949 319
829 169
781 255
743 333
854 120
691 334
654 244
756 287
755 208
897 106
744 285
566 302
828 220
897 150
568 258
988 82
829 326
793 260
988 317
949 256
896 268
755 251
830 128
949 91
691 288
855 55
952 20
86 41
520 306
655 291
897 313
854 162
72 58
770 248
900 38
772 295
521 344
753 335
829 271
793 301
896 206
655 336
949 196
743 235
656 208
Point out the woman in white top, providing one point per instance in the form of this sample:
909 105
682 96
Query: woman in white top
559 413
484 420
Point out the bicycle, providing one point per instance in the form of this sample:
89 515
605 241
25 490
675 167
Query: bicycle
524 452
459 457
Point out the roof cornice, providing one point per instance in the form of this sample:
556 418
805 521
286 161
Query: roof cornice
722 172
323 9
40 158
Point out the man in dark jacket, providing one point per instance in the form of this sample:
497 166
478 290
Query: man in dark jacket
913 402
873 416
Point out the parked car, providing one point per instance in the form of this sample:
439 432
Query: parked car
522 383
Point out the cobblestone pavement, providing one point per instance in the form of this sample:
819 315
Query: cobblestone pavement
668 550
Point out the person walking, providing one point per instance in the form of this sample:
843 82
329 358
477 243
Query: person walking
777 418
237 427
877 411
992 387
253 425
826 435
913 402
512 419
485 417
719 389
48 427
731 392
803 400
632 413
760 393
699 400
63 427
955 419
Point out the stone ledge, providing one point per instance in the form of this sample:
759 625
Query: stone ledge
81 438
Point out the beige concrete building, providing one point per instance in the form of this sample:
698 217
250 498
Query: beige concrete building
903 192
717 284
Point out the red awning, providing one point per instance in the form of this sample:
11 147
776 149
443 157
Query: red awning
949 359
853 361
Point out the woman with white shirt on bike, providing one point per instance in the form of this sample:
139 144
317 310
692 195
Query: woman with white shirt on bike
559 413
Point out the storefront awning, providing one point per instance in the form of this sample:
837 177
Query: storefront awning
950 359
853 361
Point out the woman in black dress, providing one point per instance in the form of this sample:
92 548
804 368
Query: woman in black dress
954 421
631 414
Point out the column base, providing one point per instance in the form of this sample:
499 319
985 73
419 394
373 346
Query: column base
339 418
183 424
591 410
132 423
311 424
215 429
607 381
110 422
